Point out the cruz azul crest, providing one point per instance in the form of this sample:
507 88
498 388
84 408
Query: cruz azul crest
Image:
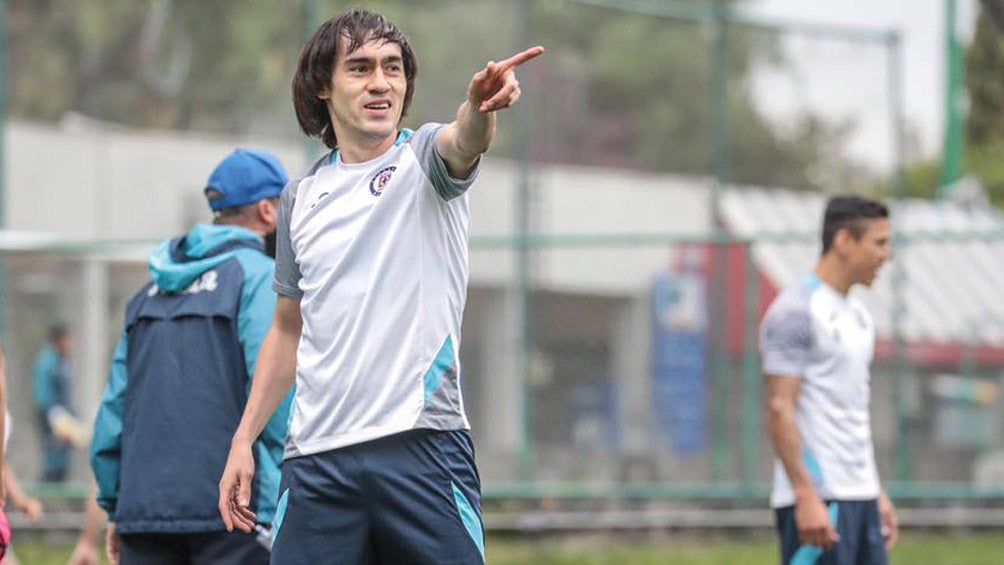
381 180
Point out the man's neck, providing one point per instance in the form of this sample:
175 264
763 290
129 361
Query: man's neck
831 272
365 149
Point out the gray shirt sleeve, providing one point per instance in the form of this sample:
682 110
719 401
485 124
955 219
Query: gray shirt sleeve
785 342
424 145
287 271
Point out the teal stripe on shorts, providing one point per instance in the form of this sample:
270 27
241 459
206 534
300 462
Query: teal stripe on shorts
809 554
470 518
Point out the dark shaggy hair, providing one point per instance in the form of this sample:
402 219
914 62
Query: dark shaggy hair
317 61
851 213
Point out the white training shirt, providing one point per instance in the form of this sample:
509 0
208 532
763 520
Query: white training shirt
377 253
827 339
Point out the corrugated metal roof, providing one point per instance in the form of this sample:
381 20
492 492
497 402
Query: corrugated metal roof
948 257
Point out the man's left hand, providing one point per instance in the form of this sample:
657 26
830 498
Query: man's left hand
495 87
890 522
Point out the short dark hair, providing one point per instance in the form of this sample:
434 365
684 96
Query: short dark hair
851 213
58 332
317 61
238 215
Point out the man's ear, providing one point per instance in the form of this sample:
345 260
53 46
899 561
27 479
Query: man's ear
842 239
268 212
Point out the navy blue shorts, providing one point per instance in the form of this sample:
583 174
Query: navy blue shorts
860 530
211 548
413 498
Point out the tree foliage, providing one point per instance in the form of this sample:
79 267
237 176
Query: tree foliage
984 155
985 82
637 91
615 89
184 64
985 124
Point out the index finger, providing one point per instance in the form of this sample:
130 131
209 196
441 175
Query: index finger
520 58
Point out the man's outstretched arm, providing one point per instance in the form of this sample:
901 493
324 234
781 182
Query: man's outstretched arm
493 88
273 378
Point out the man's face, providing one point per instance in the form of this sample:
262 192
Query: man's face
366 95
65 345
866 254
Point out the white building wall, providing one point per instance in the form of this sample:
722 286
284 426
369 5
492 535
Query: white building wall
86 182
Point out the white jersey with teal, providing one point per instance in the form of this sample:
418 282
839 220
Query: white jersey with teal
826 339
377 254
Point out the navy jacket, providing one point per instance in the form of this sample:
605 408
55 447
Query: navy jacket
179 381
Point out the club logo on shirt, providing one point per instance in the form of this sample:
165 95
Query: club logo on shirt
381 180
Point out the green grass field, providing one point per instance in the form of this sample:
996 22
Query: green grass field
913 550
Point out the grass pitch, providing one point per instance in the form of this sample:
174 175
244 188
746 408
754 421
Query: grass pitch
914 549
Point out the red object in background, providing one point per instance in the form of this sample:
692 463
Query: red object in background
731 262
942 356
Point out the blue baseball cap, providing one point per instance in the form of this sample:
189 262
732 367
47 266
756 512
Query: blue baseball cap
245 177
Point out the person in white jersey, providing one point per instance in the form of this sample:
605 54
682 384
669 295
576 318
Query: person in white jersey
371 272
816 345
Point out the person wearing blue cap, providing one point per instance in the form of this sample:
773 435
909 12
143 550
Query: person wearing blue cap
180 378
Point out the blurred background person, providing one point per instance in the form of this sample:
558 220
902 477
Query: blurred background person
817 343
53 382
